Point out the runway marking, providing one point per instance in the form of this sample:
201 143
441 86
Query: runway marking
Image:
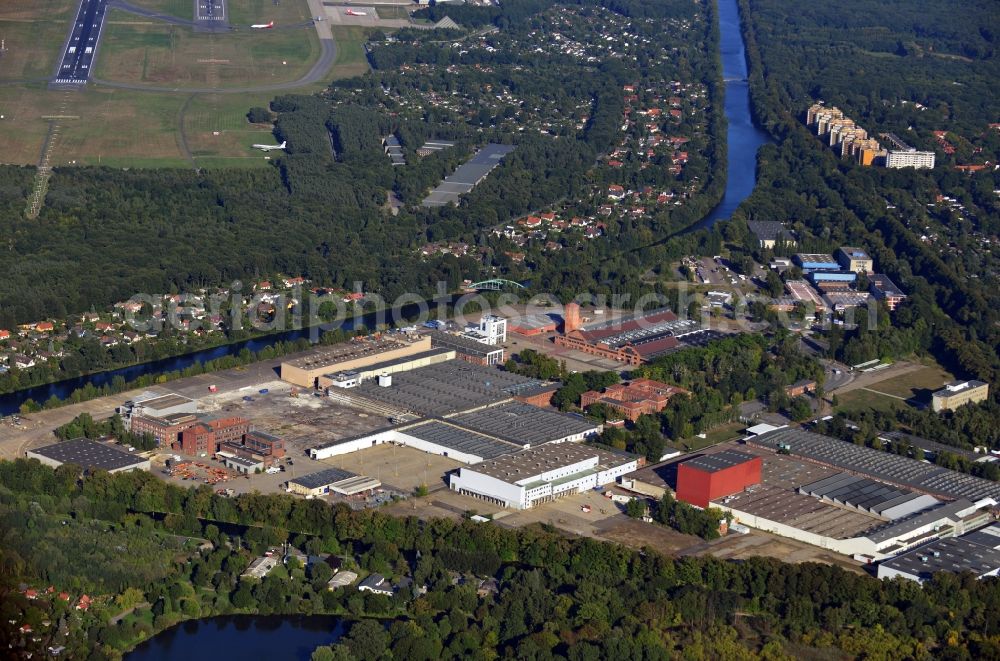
44 172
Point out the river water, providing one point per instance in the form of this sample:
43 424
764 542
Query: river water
744 137
243 637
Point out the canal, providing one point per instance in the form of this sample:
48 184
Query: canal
744 137
243 637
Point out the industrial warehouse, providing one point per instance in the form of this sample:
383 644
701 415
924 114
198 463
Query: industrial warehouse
332 480
467 413
866 504
529 478
89 455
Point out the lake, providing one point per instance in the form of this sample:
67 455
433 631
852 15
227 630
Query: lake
243 637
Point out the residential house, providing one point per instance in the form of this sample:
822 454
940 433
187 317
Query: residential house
377 584
487 587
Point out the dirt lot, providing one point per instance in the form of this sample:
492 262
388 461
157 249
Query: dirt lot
762 544
440 504
637 534
566 514
399 468
303 421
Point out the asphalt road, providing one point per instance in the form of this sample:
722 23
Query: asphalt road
81 46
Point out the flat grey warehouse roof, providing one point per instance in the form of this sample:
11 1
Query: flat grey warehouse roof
883 466
323 478
522 423
446 388
954 554
88 454
462 440
711 463
465 178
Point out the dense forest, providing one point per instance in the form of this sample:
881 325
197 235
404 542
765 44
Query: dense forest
557 597
321 210
942 261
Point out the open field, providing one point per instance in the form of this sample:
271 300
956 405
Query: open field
158 53
765 545
917 385
351 60
392 11
244 13
179 8
33 34
149 124
225 114
864 400
717 435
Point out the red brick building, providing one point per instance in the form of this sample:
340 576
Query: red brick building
800 387
632 399
208 435
264 444
540 397
713 476
606 340
165 430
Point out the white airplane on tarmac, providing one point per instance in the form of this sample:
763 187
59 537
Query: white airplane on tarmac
262 26
271 147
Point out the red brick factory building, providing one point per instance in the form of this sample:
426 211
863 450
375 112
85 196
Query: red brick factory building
712 476
632 399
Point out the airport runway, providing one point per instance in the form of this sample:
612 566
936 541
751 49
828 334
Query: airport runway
80 49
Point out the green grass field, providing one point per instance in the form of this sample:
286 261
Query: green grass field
865 400
33 32
712 437
243 13
158 54
179 8
392 11
915 385
351 60
218 133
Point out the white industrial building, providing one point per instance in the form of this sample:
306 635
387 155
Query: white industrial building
957 554
156 405
459 439
523 480
491 330
332 480
355 377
